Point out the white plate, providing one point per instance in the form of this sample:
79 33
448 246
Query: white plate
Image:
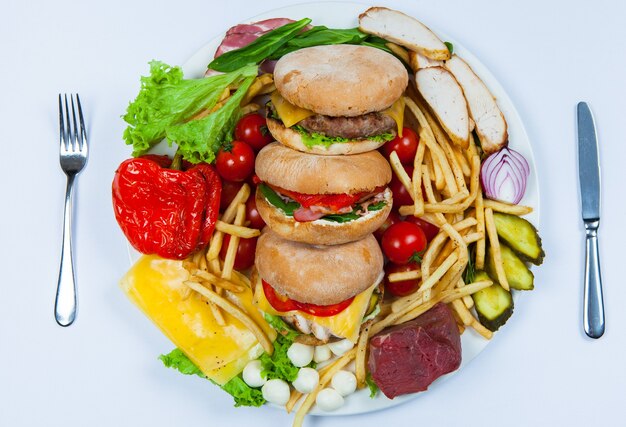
345 15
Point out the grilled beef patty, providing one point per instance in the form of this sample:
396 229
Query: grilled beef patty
364 126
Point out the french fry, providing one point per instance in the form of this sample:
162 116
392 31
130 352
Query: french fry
404 178
250 108
478 327
205 276
507 208
494 244
462 311
233 244
418 200
463 162
404 275
236 312
257 87
293 399
480 228
361 356
399 51
237 230
229 215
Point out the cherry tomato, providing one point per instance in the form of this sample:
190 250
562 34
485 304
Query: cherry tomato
404 287
430 230
401 196
229 191
405 146
391 219
252 214
283 304
252 129
244 258
403 242
237 164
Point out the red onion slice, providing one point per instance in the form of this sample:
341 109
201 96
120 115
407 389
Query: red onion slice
504 176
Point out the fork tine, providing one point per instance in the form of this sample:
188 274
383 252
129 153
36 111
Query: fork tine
68 127
83 134
62 140
75 136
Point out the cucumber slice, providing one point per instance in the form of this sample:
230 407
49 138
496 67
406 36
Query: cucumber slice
518 275
521 236
494 305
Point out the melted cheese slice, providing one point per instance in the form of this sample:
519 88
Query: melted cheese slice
396 112
346 324
291 114
156 286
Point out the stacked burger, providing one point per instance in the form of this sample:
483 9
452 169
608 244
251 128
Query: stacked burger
323 188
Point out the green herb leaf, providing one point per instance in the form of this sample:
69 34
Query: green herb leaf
287 207
259 49
166 101
470 271
321 35
243 394
450 47
417 257
372 385
278 365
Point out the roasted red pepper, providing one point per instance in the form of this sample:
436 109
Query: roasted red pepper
167 212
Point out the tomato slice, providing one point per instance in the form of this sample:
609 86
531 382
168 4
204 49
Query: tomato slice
333 201
283 304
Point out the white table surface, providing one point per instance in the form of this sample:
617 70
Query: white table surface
103 371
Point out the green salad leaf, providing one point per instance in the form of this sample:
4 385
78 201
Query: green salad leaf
166 101
450 47
259 49
310 139
287 207
243 394
281 327
278 365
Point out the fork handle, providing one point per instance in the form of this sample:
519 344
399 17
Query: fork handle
65 303
593 311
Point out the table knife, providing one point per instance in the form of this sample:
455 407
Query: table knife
589 177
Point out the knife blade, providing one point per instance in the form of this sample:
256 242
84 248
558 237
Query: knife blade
589 177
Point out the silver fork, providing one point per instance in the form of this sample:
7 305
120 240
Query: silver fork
73 157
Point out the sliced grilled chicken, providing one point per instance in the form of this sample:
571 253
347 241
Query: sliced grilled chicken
491 126
404 30
445 98
417 61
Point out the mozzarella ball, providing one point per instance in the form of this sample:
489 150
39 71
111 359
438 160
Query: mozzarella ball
276 391
306 380
300 354
329 400
340 347
344 382
321 353
252 374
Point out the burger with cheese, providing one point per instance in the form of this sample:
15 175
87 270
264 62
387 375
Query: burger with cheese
337 99
322 200
326 293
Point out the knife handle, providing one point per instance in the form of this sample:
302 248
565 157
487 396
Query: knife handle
593 311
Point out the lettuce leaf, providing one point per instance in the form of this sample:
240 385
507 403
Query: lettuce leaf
278 365
309 139
281 327
372 385
166 101
243 394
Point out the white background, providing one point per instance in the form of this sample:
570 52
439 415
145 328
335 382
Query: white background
540 370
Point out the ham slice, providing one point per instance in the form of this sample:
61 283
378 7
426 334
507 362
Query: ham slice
243 34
